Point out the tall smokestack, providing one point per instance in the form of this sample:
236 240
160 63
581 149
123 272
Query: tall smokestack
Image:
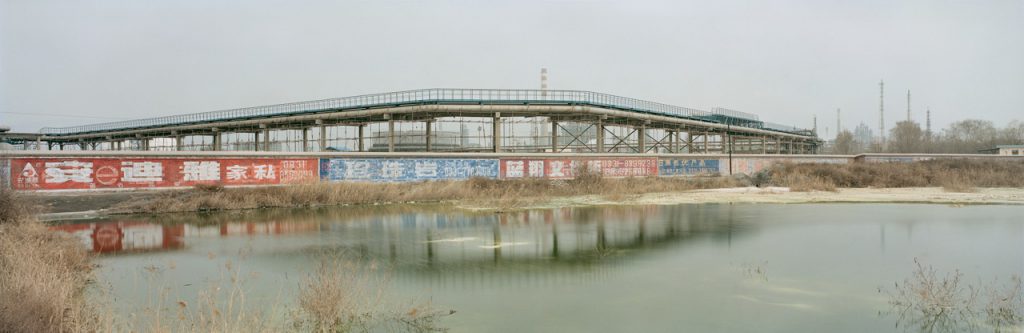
839 124
881 111
815 125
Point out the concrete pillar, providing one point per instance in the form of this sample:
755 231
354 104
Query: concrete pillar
600 135
705 142
641 138
39 143
256 141
778 145
689 142
496 132
554 136
429 132
179 142
679 142
216 139
322 140
305 139
391 134
266 137
144 142
61 146
362 138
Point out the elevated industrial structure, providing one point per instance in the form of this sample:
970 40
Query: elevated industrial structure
495 120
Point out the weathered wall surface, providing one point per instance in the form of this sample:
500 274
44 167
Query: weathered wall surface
35 171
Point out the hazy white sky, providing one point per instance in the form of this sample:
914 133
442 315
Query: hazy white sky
77 62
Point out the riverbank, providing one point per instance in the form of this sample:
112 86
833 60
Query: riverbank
783 195
114 203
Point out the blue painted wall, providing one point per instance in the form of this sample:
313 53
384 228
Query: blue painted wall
405 169
687 167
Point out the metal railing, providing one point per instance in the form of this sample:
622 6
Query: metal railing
421 96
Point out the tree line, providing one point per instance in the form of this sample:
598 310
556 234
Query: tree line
965 137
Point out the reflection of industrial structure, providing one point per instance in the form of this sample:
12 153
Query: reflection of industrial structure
443 245
425 120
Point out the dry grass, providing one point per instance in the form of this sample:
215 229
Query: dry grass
344 295
957 175
498 194
935 302
44 276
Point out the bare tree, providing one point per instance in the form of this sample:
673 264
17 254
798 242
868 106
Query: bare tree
906 137
845 145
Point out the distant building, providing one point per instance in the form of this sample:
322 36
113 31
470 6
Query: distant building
863 135
1008 150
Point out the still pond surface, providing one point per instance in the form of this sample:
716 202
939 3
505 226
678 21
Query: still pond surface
697 268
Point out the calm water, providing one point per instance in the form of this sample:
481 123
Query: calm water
700 268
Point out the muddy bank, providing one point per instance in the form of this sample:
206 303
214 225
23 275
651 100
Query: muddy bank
92 205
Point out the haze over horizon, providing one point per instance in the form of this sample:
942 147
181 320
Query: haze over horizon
74 63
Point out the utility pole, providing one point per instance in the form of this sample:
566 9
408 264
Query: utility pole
928 121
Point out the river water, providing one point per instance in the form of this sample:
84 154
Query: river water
658 268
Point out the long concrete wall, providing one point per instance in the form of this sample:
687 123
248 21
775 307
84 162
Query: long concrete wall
95 170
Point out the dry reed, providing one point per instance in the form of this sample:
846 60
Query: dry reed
44 275
958 175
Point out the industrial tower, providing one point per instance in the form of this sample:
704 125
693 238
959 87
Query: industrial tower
881 112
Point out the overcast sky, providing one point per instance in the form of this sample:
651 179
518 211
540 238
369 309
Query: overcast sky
76 62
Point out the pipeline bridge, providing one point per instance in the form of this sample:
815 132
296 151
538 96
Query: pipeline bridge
443 120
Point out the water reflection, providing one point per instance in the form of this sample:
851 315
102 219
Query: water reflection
612 268
436 242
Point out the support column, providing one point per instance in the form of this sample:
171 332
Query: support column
216 140
322 140
641 138
144 142
429 132
689 142
679 142
256 141
266 137
778 146
305 139
600 135
39 143
496 132
554 136
179 141
62 146
361 137
391 134
705 142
